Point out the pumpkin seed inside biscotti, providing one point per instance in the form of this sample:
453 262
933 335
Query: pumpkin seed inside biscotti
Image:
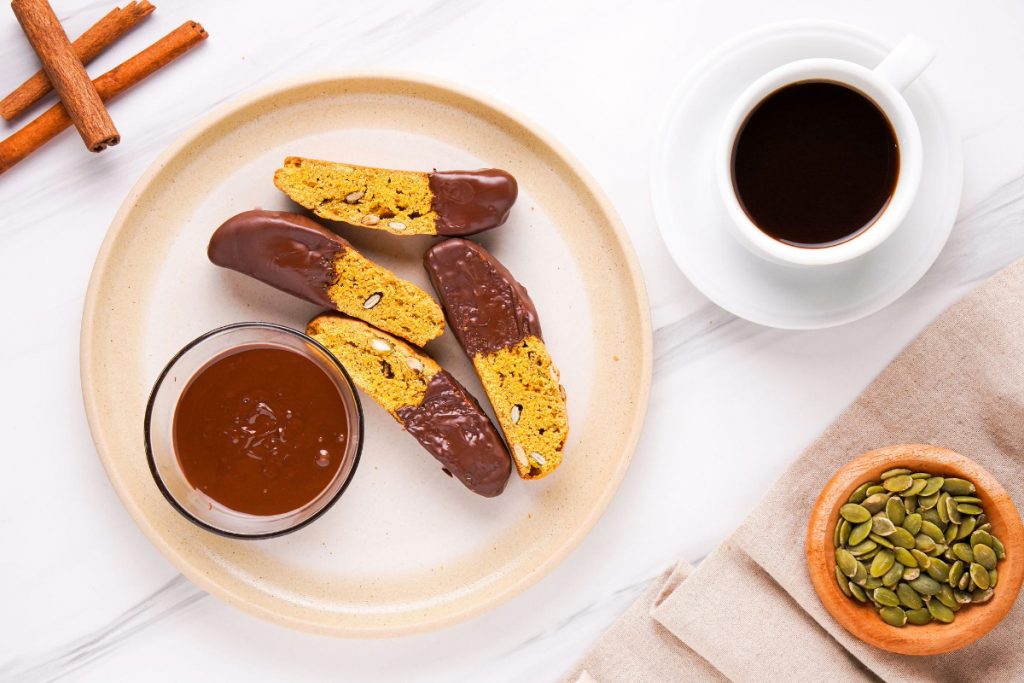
919 617
958 487
898 483
979 576
893 616
854 513
895 510
859 533
908 596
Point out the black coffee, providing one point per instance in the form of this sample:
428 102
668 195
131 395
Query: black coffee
815 163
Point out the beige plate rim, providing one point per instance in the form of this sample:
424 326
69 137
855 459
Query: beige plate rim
101 439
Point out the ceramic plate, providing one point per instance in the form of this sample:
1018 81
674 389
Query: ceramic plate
695 226
406 548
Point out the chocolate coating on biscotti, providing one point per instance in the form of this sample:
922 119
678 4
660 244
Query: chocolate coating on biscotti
452 427
285 250
468 202
486 307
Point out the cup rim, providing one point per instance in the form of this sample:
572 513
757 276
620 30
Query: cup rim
151 460
892 214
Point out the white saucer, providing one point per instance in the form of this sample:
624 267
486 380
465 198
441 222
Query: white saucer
695 227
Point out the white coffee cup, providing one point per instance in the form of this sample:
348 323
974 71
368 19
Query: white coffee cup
881 85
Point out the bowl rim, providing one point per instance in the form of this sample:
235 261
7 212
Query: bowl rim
151 460
937 638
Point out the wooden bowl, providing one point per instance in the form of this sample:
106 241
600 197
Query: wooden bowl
973 621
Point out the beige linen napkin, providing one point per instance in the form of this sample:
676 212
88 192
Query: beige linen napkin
748 612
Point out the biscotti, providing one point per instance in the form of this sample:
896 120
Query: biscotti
430 403
497 326
298 256
400 202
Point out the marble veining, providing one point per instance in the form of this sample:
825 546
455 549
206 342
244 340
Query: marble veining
86 597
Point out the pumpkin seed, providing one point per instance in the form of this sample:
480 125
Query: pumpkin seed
863 548
946 597
893 616
884 596
858 592
859 533
898 483
909 597
955 572
985 556
843 531
844 583
982 538
859 493
1000 549
993 577
881 540
982 520
952 512
984 527
860 574
919 617
922 560
873 489
933 516
968 508
938 570
966 528
920 475
951 533
931 487
958 487
905 557
882 525
895 510
911 573
888 474
962 597
902 538
963 552
893 576
979 576
875 502
915 487
927 502
940 612
926 585
924 543
932 531
967 499
965 581
882 563
871 583
913 523
978 597
943 508
846 562
854 513
910 503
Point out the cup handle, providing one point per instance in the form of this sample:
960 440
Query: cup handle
906 62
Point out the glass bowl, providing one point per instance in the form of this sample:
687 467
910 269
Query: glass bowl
194 504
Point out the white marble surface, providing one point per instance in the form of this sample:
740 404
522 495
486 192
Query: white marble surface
84 596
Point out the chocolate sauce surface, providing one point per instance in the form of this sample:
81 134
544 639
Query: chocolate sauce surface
285 250
451 425
486 307
261 430
468 202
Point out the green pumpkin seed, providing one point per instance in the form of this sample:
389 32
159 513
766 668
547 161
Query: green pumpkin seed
858 592
984 527
966 528
938 570
843 583
882 525
993 577
913 523
888 474
881 540
870 555
955 572
873 489
951 533
893 576
926 585
985 556
968 508
895 510
919 617
979 576
846 562
967 499
931 487
843 531
909 597
922 560
958 487
940 612
982 520
965 581
893 616
858 533
981 538
940 550
863 548
951 511
902 538
854 513
933 516
962 597
910 504
946 597
978 597
1000 549
924 543
927 502
904 557
911 573
915 488
932 531
943 508
875 503
860 574
898 483
884 596
882 563
963 552
871 583
920 475
859 493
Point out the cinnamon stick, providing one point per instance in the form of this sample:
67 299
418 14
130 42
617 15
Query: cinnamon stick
83 103
87 47
111 84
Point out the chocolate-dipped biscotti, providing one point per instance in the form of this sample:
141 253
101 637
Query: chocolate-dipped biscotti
423 398
400 202
496 324
298 256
